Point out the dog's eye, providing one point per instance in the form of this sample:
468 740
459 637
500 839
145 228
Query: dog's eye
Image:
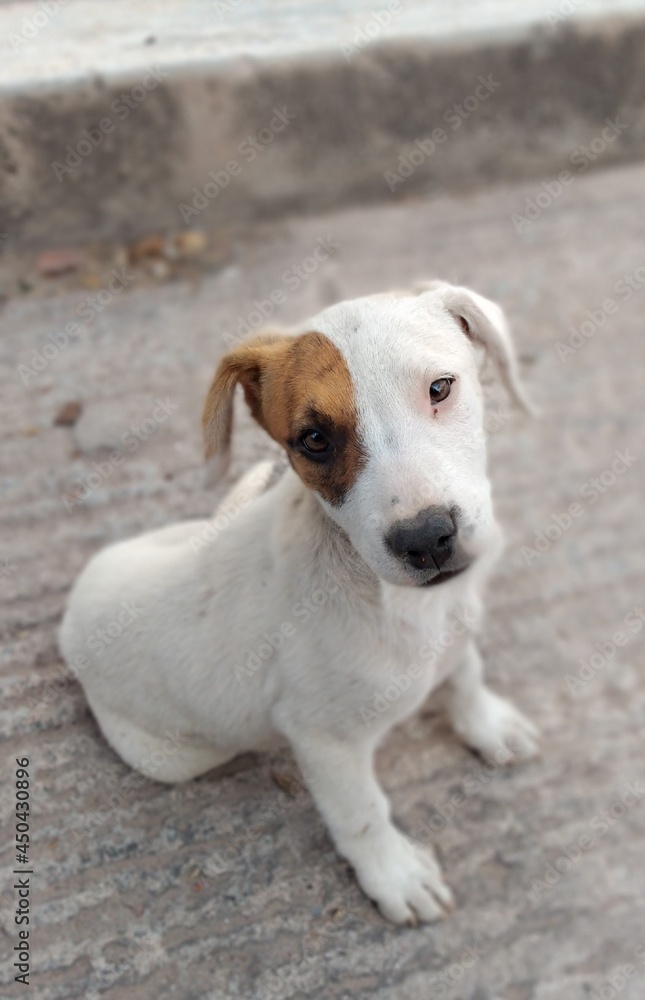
315 442
440 389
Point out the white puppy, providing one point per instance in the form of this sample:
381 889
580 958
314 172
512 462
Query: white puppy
309 609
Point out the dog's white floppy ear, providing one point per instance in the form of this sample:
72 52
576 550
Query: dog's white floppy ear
246 365
485 323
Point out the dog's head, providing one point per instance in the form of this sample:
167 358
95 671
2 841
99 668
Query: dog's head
378 405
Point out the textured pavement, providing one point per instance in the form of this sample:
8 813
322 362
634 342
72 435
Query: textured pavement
228 887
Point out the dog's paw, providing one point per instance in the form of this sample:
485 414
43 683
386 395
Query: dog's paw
497 730
404 880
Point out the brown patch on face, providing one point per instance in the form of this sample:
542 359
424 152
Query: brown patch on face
293 384
314 391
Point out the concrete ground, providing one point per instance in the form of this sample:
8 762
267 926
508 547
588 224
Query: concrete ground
229 887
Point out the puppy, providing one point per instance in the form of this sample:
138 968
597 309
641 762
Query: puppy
381 526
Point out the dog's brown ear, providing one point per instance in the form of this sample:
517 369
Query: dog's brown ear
484 323
247 364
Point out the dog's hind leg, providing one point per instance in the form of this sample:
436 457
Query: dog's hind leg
168 757
485 721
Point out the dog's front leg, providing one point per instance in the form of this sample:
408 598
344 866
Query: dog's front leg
403 878
485 721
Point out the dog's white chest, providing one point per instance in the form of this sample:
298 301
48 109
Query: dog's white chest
406 658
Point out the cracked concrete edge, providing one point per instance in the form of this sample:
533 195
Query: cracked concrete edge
206 148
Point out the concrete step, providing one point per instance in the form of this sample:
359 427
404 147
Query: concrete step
43 42
118 119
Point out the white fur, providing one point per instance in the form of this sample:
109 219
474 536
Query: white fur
331 617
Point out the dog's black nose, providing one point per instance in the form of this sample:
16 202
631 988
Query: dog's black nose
425 541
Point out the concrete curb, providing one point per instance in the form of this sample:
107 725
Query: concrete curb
255 138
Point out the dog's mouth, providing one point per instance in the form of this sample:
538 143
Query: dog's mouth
443 575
